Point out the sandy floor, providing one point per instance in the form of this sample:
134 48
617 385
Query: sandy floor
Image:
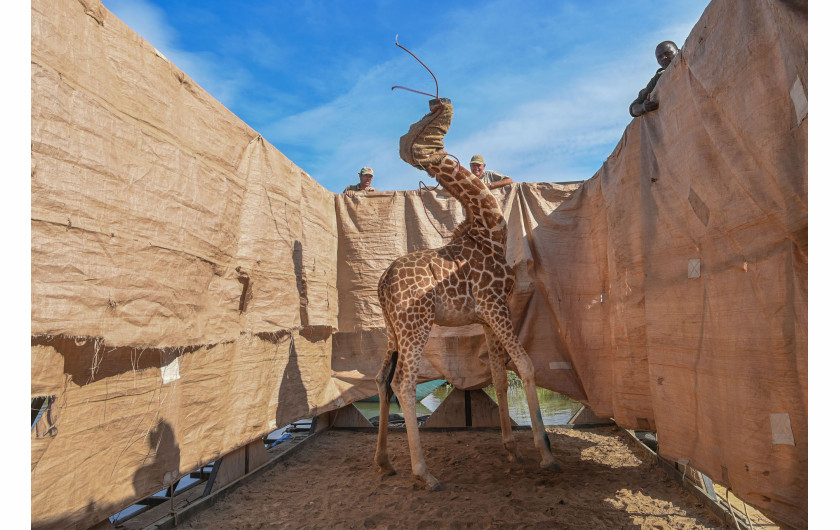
333 483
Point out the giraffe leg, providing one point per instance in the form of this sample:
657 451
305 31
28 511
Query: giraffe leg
495 312
406 390
526 373
383 383
496 355
410 341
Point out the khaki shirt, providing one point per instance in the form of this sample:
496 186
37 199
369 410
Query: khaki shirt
358 187
492 176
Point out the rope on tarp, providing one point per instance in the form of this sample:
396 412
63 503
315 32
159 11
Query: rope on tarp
423 187
747 515
731 511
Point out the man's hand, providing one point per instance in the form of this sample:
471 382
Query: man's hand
643 108
500 183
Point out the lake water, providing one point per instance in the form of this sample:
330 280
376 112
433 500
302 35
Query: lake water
556 408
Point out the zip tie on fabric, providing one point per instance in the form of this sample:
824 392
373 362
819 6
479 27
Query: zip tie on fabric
437 88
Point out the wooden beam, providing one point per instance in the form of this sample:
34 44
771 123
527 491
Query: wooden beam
346 417
585 417
458 410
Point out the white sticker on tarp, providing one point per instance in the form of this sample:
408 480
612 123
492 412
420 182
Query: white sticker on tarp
800 100
694 268
780 425
170 372
560 365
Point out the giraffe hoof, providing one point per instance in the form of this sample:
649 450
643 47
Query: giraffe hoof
429 482
551 466
387 470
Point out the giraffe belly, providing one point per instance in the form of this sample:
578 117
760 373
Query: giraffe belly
453 311
453 319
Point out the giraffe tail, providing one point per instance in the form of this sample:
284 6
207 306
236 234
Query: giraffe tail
423 143
393 368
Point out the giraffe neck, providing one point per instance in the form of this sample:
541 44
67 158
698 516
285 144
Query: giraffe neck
485 220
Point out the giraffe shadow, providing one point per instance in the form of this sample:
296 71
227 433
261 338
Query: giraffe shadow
163 469
292 402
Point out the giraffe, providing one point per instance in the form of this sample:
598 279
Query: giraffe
466 281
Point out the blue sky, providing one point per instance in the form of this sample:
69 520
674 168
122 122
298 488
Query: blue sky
540 88
563 73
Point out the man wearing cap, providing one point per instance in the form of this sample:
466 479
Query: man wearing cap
365 178
665 53
493 179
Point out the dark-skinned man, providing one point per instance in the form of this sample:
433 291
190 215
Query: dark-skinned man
493 179
665 53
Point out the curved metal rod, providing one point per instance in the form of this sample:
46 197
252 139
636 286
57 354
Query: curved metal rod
437 88
416 91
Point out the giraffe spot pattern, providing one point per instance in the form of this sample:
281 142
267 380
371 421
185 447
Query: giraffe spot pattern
466 281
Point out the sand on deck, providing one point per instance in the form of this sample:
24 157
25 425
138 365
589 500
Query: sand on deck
333 483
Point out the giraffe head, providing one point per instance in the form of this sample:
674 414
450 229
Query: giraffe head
423 143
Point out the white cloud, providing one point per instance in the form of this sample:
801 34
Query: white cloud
557 122
578 111
146 19
543 97
150 22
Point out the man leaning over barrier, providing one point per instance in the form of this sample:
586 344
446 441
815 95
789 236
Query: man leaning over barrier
665 53
365 178
493 179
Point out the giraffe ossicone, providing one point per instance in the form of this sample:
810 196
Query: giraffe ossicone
464 282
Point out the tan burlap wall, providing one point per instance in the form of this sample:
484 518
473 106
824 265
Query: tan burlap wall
375 228
183 272
669 291
192 288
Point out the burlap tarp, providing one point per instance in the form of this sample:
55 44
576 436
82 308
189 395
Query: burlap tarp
183 272
193 289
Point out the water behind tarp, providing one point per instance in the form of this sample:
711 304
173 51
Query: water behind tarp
556 408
